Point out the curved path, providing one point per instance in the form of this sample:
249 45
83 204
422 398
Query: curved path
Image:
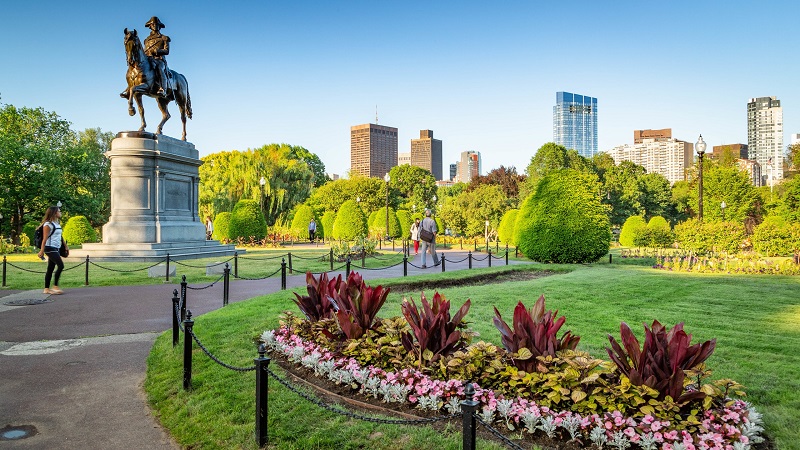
72 368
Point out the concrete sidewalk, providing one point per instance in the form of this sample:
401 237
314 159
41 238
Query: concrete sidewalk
72 368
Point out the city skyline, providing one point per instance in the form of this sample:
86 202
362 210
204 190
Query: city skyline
261 73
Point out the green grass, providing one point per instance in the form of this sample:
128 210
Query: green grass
755 319
29 270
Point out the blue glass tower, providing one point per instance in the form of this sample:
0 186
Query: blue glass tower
575 123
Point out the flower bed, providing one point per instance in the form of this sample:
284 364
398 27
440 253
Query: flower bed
731 265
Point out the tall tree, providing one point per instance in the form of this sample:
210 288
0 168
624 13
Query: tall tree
622 191
416 186
89 176
314 163
728 184
655 196
507 178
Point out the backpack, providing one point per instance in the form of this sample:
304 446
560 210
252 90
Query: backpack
38 236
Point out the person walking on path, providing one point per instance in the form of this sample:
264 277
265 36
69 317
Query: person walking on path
209 228
312 230
429 224
415 235
51 246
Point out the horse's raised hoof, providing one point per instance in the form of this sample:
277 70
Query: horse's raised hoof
158 131
141 128
131 112
183 138
123 94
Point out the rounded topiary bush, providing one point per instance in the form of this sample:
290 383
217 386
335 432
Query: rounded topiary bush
222 226
379 224
404 218
78 230
327 223
30 228
350 222
506 229
247 221
659 233
564 221
630 231
776 237
302 217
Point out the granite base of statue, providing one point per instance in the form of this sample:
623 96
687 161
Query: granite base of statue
154 202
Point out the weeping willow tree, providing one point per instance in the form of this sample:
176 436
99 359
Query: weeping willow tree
227 177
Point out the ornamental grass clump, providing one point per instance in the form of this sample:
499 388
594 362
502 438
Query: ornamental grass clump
533 335
661 363
433 332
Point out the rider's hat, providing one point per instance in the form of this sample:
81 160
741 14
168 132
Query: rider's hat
154 21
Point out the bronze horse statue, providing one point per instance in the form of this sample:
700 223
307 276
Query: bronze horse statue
141 81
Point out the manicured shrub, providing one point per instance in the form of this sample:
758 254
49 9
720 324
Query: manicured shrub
379 224
30 228
404 218
302 216
776 237
704 237
373 216
350 222
630 230
439 225
222 226
327 224
78 230
564 221
506 230
247 221
659 233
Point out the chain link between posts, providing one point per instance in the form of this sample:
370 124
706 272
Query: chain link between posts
496 433
208 286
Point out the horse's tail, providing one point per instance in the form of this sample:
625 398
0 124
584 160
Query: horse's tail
188 102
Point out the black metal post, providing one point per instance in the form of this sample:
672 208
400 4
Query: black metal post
476 245
489 256
167 267
392 244
405 265
175 329
283 274
609 258
496 247
262 396
86 273
347 267
516 251
468 408
236 264
506 254
4 270
380 243
290 263
226 284
700 191
331 255
363 258
183 298
443 260
469 258
461 243
187 350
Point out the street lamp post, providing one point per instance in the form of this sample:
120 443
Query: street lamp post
262 182
387 178
722 206
486 234
701 150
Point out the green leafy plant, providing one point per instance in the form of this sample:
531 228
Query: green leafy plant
302 216
633 226
350 222
357 305
222 225
660 364
78 230
533 335
247 221
435 332
316 305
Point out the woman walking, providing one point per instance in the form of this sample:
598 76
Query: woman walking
415 235
51 246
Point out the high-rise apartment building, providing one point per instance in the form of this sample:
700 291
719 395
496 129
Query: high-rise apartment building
426 152
575 123
795 138
453 171
669 157
765 136
373 149
640 135
469 166
403 158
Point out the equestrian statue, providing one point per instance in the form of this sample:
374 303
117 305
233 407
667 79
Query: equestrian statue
149 75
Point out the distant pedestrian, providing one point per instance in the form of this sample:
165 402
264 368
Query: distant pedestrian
312 230
51 246
429 224
209 228
415 235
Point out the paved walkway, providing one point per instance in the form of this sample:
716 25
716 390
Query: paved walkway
73 366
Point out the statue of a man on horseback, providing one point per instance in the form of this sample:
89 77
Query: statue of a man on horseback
149 75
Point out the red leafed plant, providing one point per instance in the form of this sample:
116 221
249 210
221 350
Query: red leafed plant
660 364
356 305
316 305
534 335
436 333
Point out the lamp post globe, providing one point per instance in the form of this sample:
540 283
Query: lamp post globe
722 207
262 182
700 147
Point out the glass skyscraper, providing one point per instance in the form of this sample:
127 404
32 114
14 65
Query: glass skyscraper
575 123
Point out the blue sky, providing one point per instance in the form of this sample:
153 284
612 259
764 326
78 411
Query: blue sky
481 75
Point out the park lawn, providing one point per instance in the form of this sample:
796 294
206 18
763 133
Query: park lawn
755 319
26 271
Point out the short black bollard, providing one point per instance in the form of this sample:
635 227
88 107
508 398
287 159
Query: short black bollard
347 268
469 258
476 246
496 247
4 270
283 274
86 275
236 264
468 408
506 254
363 259
405 265
226 284
167 267
609 258
187 350
380 243
516 251
392 244
331 257
175 328
262 396
489 256
183 298
290 263
443 260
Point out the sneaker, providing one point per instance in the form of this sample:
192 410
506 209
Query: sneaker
47 291
424 266
56 290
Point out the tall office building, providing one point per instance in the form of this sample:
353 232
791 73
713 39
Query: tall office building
426 152
739 150
453 171
373 149
468 167
765 136
575 123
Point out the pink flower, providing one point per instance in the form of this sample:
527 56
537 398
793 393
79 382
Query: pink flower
630 432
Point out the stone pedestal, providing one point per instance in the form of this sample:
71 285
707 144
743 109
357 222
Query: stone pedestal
154 201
